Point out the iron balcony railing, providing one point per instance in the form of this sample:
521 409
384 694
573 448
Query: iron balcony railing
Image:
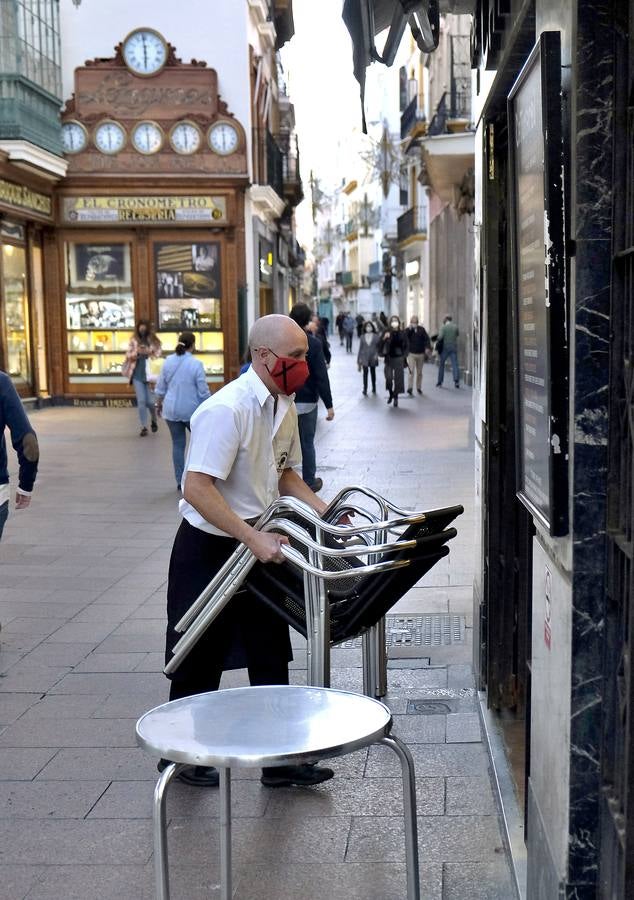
274 165
410 117
454 104
412 223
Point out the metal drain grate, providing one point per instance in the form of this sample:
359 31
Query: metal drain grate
436 630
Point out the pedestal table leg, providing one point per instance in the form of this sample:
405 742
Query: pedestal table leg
159 818
225 834
409 807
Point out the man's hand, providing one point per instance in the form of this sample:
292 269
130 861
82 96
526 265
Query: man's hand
266 546
330 415
22 500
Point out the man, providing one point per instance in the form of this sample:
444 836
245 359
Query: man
419 347
448 334
307 397
13 417
203 261
244 444
348 331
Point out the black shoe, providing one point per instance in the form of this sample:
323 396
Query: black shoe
389 399
374 390
411 392
317 485
198 776
419 390
396 400
143 432
438 384
284 776
365 393
457 383
154 426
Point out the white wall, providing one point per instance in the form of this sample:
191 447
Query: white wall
210 30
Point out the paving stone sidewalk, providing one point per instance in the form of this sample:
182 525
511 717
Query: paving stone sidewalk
82 598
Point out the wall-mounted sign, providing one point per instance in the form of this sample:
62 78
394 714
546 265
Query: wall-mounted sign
21 197
412 268
158 210
541 372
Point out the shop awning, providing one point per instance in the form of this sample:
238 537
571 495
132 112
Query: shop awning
365 19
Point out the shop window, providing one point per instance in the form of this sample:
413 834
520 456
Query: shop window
99 309
16 313
188 287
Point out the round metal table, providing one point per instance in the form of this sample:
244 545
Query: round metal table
266 726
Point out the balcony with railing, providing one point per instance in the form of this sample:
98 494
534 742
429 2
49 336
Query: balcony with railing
291 177
412 225
412 120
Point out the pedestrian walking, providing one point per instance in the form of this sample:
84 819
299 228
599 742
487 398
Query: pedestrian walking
383 320
368 356
143 347
348 330
419 349
447 349
316 386
181 388
321 332
244 444
394 349
359 322
339 326
24 441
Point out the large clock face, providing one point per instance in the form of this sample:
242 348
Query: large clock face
147 137
185 138
74 137
110 137
145 52
223 138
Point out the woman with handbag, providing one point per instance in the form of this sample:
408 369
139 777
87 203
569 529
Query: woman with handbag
181 388
144 346
394 348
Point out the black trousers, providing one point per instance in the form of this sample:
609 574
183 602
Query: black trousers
246 633
372 370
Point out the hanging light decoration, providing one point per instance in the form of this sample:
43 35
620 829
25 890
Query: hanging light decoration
384 160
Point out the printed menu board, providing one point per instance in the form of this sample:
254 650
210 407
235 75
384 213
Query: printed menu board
539 286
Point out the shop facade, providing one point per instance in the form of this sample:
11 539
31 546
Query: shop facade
26 216
149 220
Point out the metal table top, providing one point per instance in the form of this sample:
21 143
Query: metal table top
263 726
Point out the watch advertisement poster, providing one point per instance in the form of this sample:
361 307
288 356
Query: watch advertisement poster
99 286
188 285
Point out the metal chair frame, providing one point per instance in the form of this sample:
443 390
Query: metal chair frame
374 544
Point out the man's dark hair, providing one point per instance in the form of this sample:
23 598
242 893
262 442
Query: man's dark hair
302 314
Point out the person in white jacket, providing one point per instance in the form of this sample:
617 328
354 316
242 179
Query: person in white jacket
181 388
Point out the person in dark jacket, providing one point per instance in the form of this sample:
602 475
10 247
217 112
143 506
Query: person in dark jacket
368 356
394 348
321 332
419 349
307 398
24 440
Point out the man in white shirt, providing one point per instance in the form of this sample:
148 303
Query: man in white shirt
244 444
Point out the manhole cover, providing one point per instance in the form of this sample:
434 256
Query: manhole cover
431 707
436 630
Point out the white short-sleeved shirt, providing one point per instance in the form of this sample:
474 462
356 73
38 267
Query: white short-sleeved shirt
235 439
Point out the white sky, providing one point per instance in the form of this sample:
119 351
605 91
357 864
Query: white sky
318 69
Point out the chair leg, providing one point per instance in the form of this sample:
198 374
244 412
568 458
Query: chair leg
226 890
159 818
409 808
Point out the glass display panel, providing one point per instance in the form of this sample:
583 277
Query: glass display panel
188 285
16 313
99 309
209 350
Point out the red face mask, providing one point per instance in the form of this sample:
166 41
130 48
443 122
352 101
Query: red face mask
288 373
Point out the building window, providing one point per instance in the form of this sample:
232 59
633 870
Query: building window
30 42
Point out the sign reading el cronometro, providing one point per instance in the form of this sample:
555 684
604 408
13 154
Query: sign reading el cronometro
157 210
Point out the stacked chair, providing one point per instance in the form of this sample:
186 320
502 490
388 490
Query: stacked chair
338 581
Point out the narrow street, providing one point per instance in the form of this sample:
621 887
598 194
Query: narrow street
82 596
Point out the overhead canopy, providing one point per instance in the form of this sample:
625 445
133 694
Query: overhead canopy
365 19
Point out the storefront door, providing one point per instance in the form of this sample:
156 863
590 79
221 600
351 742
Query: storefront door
15 329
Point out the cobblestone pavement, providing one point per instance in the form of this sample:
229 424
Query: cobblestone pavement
82 596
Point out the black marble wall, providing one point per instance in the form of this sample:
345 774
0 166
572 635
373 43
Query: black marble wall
593 81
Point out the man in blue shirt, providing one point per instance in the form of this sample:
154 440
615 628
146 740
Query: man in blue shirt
13 417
